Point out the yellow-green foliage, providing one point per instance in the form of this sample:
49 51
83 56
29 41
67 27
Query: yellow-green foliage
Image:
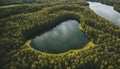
16 30
9 2
8 6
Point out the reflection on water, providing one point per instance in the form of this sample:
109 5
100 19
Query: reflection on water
66 36
106 11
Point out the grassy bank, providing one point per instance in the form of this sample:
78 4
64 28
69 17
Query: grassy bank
101 53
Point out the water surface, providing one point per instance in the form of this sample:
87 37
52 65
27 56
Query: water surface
106 11
66 36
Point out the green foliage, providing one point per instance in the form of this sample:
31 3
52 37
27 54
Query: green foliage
9 2
17 29
6 11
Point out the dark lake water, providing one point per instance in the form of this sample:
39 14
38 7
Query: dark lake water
105 11
64 37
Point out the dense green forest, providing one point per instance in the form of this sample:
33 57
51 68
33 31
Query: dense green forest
8 2
21 22
115 3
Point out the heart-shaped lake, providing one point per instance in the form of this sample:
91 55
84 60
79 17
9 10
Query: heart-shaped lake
66 36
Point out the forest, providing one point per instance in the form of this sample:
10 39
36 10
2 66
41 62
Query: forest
23 21
115 3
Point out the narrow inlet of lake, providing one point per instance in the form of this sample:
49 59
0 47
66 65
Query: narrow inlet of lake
105 11
66 36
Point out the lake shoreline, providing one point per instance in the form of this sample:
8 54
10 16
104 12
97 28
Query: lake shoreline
106 12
